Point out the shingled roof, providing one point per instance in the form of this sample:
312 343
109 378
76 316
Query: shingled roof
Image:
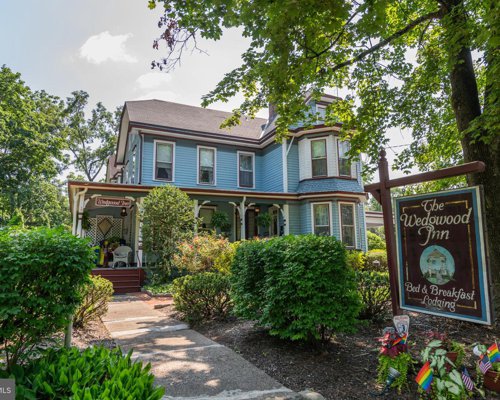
180 116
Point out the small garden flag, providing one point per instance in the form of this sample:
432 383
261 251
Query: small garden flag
467 380
493 353
424 377
484 364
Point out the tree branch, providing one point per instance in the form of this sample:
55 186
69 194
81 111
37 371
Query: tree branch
385 42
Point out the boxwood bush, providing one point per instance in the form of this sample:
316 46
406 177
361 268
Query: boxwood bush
95 373
299 286
202 296
42 274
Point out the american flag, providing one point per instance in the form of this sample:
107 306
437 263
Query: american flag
467 380
484 364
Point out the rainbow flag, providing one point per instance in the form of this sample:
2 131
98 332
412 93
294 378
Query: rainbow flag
493 353
424 377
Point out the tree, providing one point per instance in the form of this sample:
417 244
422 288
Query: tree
91 141
431 66
167 219
31 141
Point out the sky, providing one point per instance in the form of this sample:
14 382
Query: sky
105 48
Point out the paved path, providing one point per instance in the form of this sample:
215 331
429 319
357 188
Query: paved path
189 365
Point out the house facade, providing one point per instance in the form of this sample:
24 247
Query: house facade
306 183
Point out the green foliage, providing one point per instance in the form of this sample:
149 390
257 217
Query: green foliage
403 363
375 241
220 220
163 288
447 381
42 274
91 141
95 297
167 220
299 286
376 260
95 373
264 220
355 259
202 297
375 292
199 253
224 261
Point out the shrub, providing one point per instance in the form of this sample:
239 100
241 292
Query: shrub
224 261
95 297
167 219
247 279
95 373
372 257
42 275
355 259
375 292
202 297
299 286
199 253
375 241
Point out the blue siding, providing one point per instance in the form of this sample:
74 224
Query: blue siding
330 184
294 219
362 244
293 167
272 168
305 218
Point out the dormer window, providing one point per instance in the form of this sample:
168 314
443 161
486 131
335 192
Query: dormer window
164 161
344 162
321 112
206 165
318 158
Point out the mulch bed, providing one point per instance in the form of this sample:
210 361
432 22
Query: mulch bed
94 334
345 368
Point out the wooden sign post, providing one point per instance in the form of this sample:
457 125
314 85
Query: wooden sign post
382 193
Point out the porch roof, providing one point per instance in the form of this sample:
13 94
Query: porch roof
122 190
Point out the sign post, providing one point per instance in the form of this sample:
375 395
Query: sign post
381 191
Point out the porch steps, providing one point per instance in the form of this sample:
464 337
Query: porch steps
125 280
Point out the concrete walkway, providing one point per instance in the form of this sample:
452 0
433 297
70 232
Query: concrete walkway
189 365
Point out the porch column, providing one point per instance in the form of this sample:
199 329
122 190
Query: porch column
242 210
197 209
81 208
138 232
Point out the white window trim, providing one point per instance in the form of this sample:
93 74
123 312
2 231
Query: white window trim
355 215
326 156
318 107
198 148
329 203
247 153
338 161
155 142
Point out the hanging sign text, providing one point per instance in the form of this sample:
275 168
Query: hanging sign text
441 256
112 202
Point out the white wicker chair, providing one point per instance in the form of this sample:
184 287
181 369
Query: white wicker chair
121 255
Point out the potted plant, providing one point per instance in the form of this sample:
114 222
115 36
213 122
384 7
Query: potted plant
264 220
220 221
491 379
455 352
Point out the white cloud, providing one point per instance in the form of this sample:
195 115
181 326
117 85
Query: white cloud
152 80
106 47
166 95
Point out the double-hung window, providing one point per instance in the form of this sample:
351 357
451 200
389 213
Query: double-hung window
206 165
318 158
344 162
348 224
164 161
246 166
321 219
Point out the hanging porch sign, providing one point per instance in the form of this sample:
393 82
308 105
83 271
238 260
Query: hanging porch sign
441 255
112 202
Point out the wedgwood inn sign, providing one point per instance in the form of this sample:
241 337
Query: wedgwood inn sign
441 255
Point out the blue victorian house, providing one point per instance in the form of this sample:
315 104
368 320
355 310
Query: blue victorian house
306 183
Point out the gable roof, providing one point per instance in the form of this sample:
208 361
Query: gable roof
173 115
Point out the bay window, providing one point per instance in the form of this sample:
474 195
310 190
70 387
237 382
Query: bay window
344 162
321 219
347 224
318 158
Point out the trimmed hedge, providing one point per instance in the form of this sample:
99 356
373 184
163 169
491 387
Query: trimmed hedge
42 275
203 296
299 286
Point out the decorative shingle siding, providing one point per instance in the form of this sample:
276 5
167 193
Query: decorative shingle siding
330 184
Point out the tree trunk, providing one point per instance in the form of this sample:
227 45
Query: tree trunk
467 107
